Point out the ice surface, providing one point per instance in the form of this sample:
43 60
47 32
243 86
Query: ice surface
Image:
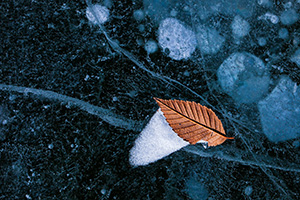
209 40
195 189
177 38
244 77
156 141
101 12
289 17
280 112
240 27
296 57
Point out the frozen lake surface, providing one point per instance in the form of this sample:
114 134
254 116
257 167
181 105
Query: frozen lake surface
77 84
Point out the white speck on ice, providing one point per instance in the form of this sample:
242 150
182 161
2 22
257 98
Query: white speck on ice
209 40
156 141
280 112
289 17
50 146
240 27
177 38
101 12
296 57
28 196
244 77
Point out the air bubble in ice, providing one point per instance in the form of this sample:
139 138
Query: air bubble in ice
289 17
180 40
151 46
209 40
283 33
240 27
244 77
101 12
248 190
280 112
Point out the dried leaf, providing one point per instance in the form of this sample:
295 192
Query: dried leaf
193 122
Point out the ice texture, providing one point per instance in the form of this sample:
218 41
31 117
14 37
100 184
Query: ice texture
280 112
177 38
289 17
296 57
209 40
240 27
195 189
244 77
156 141
101 12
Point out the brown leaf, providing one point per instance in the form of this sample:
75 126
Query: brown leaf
193 122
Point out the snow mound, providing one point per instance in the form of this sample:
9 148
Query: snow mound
209 40
101 12
178 39
280 112
156 141
244 77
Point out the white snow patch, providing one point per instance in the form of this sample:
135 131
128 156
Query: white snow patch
177 38
280 112
209 40
156 141
240 27
244 77
101 12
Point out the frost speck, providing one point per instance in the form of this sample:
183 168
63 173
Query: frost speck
177 38
101 12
